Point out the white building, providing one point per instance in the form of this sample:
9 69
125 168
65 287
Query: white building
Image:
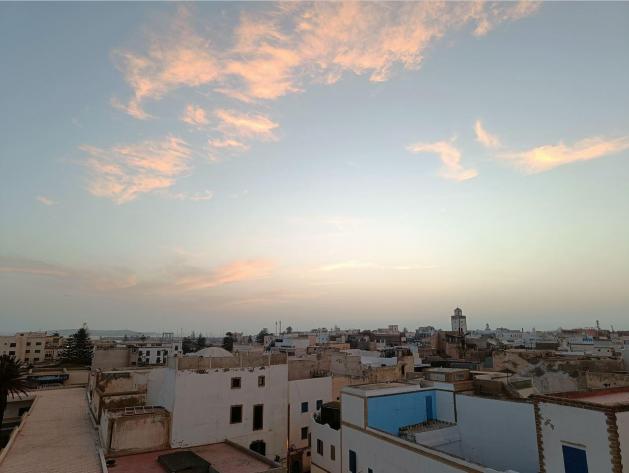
240 398
305 397
583 432
459 322
153 353
404 428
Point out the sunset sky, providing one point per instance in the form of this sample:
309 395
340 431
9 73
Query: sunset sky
220 166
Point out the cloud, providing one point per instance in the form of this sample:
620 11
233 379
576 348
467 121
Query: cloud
178 58
228 143
353 264
484 137
123 172
195 197
282 48
102 279
237 271
244 125
195 116
42 199
544 158
450 159
178 278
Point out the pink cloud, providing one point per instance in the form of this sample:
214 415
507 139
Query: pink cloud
451 167
195 116
246 125
123 172
546 157
47 201
485 138
237 271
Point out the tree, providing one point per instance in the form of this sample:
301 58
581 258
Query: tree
12 381
201 342
187 345
228 342
289 329
260 337
78 349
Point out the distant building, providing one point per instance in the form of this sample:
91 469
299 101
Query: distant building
31 347
459 323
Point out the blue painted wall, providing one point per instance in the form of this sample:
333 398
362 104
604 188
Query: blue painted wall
389 413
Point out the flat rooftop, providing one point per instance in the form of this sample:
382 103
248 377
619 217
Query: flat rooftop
603 397
379 389
224 458
57 436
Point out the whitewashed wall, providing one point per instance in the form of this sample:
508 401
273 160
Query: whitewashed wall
305 390
202 401
329 437
579 427
498 434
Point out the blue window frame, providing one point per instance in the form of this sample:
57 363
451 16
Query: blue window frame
574 459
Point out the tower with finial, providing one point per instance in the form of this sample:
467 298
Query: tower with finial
459 322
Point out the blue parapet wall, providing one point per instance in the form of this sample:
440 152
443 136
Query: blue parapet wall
389 413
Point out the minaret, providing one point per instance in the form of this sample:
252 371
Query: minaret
459 324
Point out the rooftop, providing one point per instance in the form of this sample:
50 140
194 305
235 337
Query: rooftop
611 397
39 447
223 457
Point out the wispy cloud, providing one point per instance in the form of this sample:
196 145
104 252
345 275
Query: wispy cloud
195 116
228 143
194 197
283 48
237 271
546 157
42 199
484 137
123 172
353 264
450 159
177 58
245 125
103 279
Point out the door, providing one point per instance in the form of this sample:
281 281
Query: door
429 413
574 459
258 417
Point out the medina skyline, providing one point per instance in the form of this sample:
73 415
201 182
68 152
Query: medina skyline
221 166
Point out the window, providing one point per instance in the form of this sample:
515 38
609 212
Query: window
28 344
35 359
304 407
236 383
261 381
574 459
11 344
369 470
258 417
304 433
158 360
332 452
320 446
319 404
352 461
235 415
12 352
38 343
27 351
37 351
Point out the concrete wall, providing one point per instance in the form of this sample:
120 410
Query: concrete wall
445 406
596 380
353 409
110 358
160 388
202 400
305 390
395 455
134 433
389 413
498 434
329 437
573 426
77 377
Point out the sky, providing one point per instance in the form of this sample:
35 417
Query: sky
222 166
